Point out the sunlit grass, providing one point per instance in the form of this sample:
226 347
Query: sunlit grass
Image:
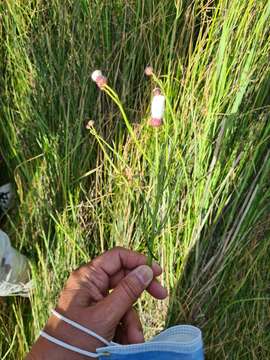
194 192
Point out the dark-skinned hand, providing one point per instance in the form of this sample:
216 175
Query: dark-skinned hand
100 296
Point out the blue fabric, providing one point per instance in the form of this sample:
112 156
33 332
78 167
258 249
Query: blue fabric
183 342
154 355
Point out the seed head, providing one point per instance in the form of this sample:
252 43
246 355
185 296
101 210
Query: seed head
101 81
90 124
148 71
155 122
95 75
158 107
157 91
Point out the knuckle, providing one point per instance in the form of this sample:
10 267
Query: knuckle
90 279
75 274
73 279
118 248
82 273
77 278
95 263
98 276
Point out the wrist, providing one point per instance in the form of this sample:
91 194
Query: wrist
44 349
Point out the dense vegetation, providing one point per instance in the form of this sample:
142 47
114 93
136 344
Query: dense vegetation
195 191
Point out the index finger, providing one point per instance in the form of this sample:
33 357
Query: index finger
118 258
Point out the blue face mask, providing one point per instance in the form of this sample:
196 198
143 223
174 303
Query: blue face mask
183 342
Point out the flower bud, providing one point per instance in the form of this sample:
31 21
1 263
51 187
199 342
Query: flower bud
157 91
155 122
90 124
95 75
148 71
101 81
157 109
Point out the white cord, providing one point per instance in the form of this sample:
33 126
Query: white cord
68 346
80 327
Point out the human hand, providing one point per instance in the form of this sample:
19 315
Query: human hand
88 300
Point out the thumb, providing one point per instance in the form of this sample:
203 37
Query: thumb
128 291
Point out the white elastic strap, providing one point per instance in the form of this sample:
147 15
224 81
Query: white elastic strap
80 327
68 346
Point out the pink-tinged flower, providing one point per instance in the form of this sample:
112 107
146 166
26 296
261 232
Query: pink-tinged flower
95 75
101 81
157 91
148 71
157 109
99 78
155 122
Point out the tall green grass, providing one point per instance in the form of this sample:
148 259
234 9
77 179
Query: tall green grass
194 192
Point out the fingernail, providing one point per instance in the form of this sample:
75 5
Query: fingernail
145 274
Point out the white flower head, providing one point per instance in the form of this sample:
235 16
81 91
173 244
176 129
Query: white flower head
96 74
148 71
99 79
158 107
90 124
